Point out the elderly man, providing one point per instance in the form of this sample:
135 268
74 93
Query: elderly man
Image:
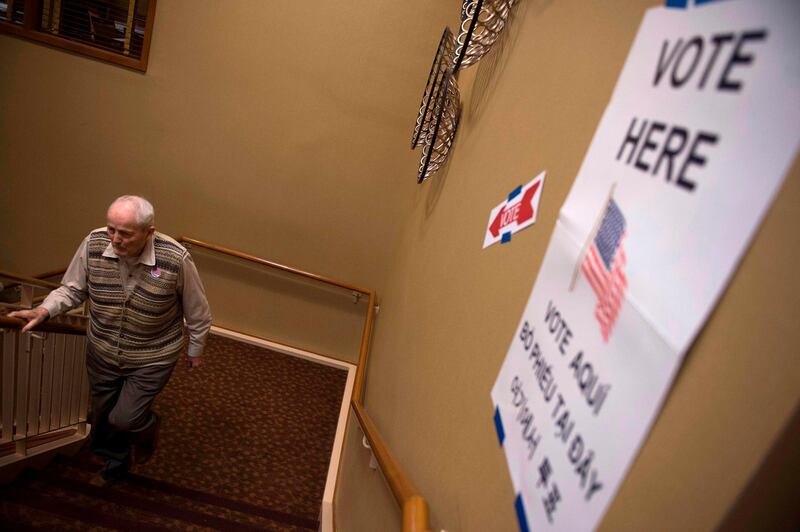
141 285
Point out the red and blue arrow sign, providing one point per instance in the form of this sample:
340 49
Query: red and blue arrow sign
515 213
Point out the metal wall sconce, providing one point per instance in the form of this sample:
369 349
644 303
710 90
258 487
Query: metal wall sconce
441 61
439 110
439 136
482 21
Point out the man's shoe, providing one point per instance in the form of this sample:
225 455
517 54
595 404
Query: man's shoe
112 471
144 444
96 460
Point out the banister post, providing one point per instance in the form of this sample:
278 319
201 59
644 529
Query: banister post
26 295
9 371
415 514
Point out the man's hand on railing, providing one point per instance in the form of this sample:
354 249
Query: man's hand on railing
34 317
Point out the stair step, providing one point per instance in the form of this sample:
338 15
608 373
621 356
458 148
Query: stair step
82 469
46 510
21 518
62 498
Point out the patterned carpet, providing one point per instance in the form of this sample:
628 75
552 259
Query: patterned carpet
245 444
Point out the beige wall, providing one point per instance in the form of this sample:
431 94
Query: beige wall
450 308
364 502
278 128
284 132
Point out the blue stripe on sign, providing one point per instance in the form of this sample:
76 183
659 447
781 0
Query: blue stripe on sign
701 2
498 425
679 4
514 193
523 520
506 238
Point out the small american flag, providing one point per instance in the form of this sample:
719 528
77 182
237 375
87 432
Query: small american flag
603 268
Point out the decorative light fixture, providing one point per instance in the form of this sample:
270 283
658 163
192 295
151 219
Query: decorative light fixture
439 110
482 21
438 137
441 61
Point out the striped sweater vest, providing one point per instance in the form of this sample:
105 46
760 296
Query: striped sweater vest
145 327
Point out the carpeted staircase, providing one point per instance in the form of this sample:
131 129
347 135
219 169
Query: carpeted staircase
245 445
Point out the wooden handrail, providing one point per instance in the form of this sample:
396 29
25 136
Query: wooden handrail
412 504
24 279
50 273
55 326
401 486
414 507
361 368
40 276
276 265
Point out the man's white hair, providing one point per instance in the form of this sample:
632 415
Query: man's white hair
145 214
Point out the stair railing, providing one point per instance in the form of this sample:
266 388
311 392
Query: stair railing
413 505
45 390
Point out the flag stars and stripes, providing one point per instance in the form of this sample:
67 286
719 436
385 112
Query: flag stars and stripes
604 268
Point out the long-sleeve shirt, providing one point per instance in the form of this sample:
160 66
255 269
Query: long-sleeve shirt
74 289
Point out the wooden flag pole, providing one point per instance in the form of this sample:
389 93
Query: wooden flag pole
592 235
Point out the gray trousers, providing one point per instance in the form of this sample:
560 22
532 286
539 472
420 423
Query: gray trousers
121 399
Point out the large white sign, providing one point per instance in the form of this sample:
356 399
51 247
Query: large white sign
702 126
